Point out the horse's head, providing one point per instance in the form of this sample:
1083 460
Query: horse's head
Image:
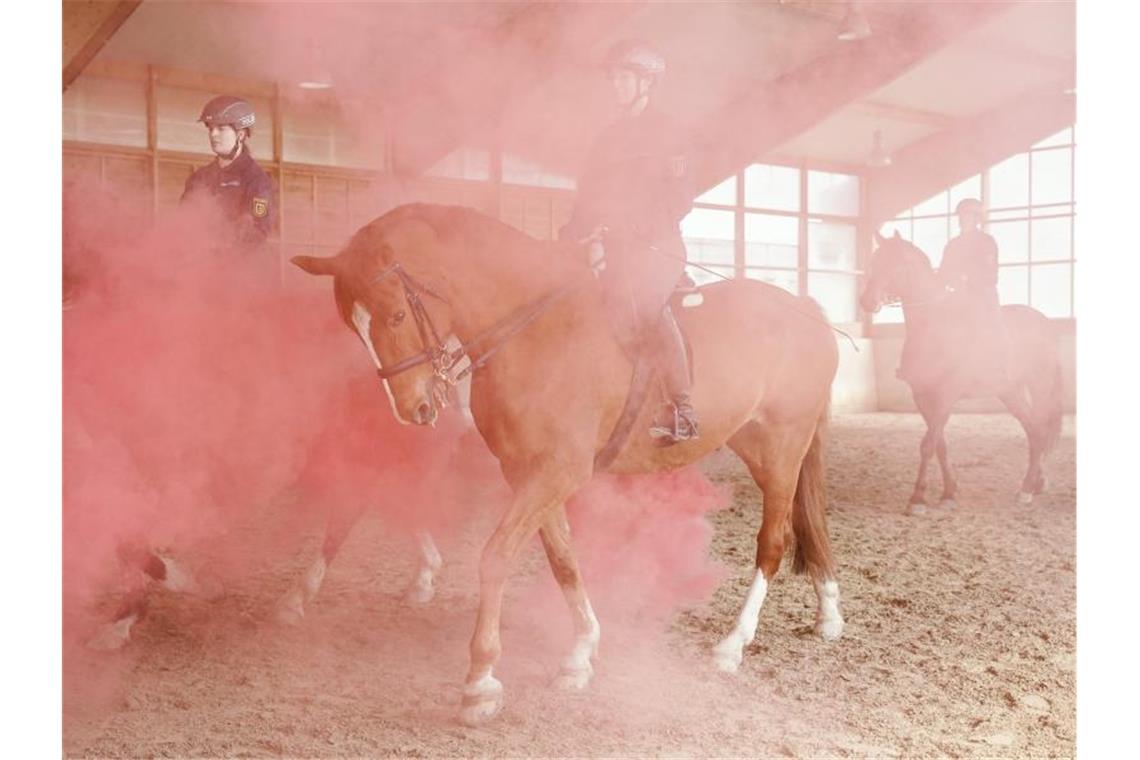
400 320
897 266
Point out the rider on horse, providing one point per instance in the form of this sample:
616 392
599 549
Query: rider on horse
636 187
233 180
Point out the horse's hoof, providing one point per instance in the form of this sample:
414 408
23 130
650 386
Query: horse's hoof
1024 498
727 656
948 504
481 702
113 636
419 594
291 610
916 508
830 630
574 679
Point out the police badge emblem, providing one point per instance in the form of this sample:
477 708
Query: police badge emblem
260 207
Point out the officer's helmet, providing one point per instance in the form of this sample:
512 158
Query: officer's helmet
637 56
969 206
227 109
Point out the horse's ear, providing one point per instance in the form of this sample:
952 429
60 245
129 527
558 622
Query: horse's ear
879 237
317 264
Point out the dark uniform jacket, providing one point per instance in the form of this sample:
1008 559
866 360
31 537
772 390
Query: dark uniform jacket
970 266
635 181
243 192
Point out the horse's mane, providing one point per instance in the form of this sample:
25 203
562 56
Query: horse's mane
453 223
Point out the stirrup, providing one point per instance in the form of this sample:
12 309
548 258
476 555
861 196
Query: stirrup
683 429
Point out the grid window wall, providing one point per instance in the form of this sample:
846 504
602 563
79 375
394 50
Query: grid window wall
1029 209
790 226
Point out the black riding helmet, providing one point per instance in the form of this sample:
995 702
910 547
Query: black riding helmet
227 109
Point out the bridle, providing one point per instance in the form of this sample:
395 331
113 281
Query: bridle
436 353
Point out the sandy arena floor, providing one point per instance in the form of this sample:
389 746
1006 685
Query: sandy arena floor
960 639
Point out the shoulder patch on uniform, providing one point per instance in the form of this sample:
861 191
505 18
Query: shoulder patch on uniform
260 207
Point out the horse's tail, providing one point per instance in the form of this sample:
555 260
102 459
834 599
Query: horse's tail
1048 397
809 510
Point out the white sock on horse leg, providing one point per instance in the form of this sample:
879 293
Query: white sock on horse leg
730 651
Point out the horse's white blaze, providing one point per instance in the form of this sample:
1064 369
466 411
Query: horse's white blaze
730 651
828 621
362 321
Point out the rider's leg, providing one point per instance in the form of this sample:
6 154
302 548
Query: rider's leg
673 364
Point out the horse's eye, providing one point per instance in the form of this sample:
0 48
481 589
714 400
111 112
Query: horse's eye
396 319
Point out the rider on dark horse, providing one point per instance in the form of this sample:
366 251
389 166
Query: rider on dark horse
968 275
636 187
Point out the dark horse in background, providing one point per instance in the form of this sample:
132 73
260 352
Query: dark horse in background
949 365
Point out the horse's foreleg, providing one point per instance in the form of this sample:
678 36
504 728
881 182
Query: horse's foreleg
291 607
576 668
949 481
533 503
423 583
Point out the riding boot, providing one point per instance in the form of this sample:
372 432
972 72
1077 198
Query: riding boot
679 421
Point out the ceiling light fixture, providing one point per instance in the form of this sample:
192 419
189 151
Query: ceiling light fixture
878 158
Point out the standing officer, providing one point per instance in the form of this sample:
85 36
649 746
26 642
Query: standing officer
233 181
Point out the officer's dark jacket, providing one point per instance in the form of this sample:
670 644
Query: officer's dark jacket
242 190
970 263
636 180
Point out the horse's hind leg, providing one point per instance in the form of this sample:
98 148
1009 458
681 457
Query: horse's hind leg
291 607
773 456
1033 483
422 588
949 481
576 668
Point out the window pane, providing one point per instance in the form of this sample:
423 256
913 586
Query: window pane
775 187
1052 176
1013 284
320 133
702 277
831 245
518 170
709 235
783 278
723 194
1009 182
1052 239
1012 241
463 163
1052 289
835 293
971 188
771 240
902 226
930 235
938 204
1064 137
103 110
830 193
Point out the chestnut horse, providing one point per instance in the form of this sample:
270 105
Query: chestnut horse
949 367
549 384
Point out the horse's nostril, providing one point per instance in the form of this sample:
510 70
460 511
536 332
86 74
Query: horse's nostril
423 413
